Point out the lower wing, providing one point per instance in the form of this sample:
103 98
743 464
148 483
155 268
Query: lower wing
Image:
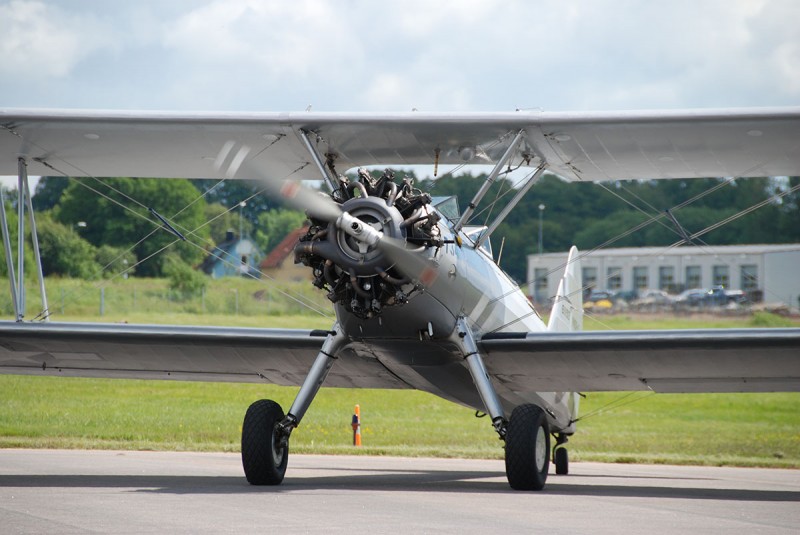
734 360
278 356
714 360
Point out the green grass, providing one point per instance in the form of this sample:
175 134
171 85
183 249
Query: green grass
48 412
643 321
134 298
717 429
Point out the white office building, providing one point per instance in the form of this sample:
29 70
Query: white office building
772 271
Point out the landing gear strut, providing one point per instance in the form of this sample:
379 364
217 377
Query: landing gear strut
526 433
266 431
560 455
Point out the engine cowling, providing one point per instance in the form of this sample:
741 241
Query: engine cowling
359 276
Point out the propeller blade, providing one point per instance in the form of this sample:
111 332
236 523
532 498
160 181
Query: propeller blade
233 162
317 204
413 265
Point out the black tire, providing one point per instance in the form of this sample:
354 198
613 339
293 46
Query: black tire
527 448
263 459
561 459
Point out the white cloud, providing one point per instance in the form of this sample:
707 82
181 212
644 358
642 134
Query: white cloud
274 38
42 41
391 55
394 92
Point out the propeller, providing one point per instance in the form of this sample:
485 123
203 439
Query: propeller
231 162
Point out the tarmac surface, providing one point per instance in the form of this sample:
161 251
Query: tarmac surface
53 491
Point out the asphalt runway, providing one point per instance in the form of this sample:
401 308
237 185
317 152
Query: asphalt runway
51 491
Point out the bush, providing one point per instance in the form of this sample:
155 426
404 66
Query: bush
115 260
183 279
64 252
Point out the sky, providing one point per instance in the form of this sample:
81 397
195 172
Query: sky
389 55
352 55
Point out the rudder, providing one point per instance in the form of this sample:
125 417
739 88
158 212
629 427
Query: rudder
567 312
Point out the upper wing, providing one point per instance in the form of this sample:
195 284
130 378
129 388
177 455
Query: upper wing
279 356
577 146
718 360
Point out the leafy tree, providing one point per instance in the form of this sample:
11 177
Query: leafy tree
221 221
48 192
121 218
274 225
64 252
230 193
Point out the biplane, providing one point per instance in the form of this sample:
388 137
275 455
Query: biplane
418 297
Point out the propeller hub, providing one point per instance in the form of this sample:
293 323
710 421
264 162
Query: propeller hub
363 222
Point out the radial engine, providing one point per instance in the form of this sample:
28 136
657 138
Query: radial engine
359 277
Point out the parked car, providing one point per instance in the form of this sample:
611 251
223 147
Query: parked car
719 296
653 300
601 295
716 297
627 295
692 297
657 297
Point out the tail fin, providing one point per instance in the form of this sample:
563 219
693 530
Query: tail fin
567 312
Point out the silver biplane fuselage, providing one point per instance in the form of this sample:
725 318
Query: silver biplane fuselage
415 340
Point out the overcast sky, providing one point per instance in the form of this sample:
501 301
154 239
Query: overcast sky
350 55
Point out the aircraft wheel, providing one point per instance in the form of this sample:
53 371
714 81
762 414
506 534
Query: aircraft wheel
561 458
527 448
265 453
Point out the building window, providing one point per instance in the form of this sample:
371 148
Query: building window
721 276
614 278
694 278
749 277
666 277
640 277
540 278
540 284
589 275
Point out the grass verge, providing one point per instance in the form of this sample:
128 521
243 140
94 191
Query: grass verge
711 429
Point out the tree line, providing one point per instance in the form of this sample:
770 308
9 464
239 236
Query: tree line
590 214
95 228
90 228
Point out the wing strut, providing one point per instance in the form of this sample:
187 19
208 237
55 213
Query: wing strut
18 289
9 259
326 175
489 181
533 179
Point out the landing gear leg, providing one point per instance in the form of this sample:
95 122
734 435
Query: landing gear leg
560 455
266 431
462 336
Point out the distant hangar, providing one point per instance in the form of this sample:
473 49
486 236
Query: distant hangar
769 271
